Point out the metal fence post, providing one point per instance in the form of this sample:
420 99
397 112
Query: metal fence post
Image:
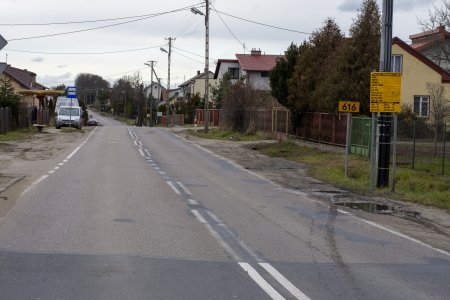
414 146
287 122
443 151
394 152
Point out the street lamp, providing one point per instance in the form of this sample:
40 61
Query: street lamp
198 12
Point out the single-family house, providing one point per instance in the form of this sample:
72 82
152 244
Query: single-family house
253 67
21 79
157 91
434 44
417 70
196 85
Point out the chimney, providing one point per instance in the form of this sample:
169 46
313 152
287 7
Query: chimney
198 72
256 52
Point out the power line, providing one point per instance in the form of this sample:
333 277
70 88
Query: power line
126 72
220 17
83 53
262 24
200 62
91 21
99 27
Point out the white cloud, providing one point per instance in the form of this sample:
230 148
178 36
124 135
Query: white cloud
55 79
349 5
400 6
409 5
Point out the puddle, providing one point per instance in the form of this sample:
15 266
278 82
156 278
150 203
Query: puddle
368 207
377 208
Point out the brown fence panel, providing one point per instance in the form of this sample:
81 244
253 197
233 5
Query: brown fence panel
323 127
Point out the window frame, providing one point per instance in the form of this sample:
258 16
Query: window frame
394 58
232 71
421 102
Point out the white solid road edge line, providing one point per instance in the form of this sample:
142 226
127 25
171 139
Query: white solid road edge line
260 281
40 179
397 233
284 281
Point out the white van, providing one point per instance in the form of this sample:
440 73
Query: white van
64 101
68 116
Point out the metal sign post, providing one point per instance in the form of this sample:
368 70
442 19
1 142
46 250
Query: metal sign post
348 107
71 92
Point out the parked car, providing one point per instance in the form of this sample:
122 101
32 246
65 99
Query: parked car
92 122
64 101
68 116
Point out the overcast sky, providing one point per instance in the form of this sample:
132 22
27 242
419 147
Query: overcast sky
59 58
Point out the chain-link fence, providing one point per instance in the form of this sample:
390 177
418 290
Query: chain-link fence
423 147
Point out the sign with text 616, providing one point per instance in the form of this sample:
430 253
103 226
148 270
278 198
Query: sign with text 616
349 106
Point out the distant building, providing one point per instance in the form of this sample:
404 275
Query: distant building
254 67
417 70
157 91
434 44
196 85
21 80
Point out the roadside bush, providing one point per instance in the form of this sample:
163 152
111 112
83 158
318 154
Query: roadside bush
236 105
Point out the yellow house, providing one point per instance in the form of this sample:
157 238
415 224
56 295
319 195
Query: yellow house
417 70
21 80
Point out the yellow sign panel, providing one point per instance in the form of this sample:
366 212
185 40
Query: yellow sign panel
385 90
349 107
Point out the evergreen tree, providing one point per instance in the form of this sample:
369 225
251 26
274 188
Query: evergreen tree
221 90
8 97
313 82
281 73
362 55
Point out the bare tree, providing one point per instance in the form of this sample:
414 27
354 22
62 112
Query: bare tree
439 108
434 28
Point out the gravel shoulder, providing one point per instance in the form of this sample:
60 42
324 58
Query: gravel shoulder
22 161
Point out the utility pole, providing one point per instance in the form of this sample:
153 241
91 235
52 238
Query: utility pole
168 79
206 66
149 63
384 121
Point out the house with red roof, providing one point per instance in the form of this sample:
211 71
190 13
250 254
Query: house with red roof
21 79
417 71
253 67
434 44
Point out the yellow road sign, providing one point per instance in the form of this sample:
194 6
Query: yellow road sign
349 106
385 90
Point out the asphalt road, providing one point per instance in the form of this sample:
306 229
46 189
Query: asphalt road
139 213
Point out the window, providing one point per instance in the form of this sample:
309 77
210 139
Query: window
422 106
265 74
234 72
397 63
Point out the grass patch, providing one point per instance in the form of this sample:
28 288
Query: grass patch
17 134
411 185
228 135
